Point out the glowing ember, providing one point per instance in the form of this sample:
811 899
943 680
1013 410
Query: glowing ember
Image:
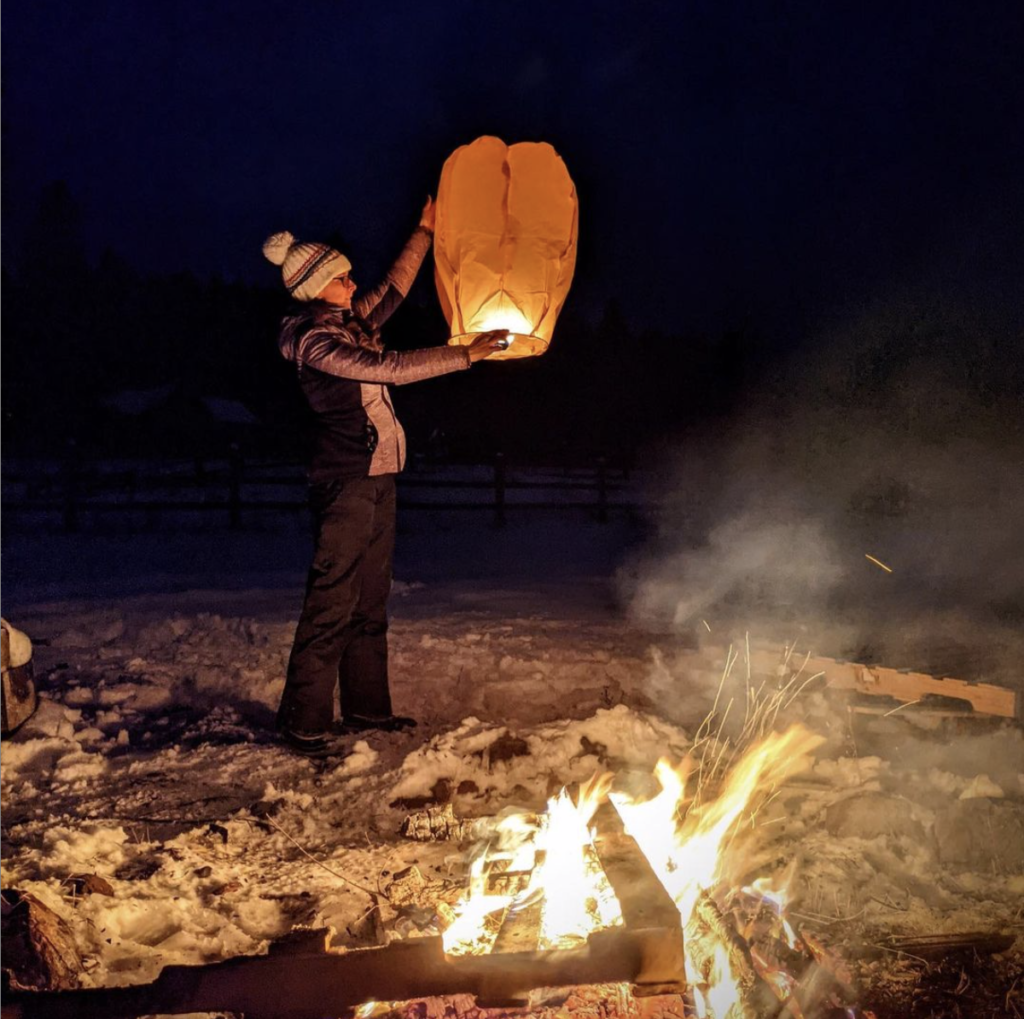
776 899
778 980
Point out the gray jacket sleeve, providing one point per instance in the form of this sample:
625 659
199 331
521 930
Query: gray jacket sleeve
377 305
328 351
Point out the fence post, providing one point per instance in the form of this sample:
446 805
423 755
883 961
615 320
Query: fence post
235 487
69 470
499 489
602 490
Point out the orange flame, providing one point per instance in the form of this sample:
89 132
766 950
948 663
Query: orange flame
687 848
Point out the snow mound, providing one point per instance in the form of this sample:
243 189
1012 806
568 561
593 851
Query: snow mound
532 760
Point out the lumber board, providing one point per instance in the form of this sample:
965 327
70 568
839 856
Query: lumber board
899 684
646 907
307 980
520 928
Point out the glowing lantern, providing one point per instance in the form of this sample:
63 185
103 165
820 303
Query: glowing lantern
505 242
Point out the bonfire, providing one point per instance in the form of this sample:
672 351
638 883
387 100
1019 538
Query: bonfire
740 953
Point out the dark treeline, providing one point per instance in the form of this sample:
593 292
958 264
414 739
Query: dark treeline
81 338
87 341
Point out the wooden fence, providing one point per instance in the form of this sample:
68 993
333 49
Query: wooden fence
70 492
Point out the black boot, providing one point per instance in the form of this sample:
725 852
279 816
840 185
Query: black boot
321 744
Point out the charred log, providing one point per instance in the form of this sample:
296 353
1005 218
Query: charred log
39 951
706 930
438 824
938 946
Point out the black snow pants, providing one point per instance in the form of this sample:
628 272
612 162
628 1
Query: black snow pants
342 633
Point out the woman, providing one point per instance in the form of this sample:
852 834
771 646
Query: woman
333 339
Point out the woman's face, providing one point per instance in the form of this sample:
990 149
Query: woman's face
339 291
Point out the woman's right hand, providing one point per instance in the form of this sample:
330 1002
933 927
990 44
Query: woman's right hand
487 343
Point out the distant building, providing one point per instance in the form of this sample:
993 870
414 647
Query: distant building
168 420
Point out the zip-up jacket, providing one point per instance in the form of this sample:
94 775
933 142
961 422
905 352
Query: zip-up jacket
344 373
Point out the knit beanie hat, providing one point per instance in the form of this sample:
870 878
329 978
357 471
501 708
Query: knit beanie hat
306 267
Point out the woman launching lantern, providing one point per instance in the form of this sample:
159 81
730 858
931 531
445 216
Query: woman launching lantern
333 339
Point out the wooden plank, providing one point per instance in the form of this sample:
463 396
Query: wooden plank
520 929
642 897
647 908
308 980
880 681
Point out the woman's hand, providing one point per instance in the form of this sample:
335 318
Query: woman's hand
429 214
487 343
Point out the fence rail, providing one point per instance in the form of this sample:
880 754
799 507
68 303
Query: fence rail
73 490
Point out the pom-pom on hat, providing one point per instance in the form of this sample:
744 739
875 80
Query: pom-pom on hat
306 267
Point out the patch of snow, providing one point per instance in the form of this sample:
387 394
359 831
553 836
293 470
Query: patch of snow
78 695
361 758
135 402
229 411
981 786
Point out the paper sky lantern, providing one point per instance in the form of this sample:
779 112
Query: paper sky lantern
505 242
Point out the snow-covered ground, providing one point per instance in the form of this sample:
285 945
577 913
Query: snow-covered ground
152 761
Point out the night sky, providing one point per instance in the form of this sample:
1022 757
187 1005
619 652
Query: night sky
735 161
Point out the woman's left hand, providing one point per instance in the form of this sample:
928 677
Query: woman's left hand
429 214
485 344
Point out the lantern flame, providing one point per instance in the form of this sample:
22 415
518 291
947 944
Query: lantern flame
502 318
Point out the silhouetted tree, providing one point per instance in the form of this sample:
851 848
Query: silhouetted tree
53 252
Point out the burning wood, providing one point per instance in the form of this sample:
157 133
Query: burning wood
645 903
406 887
39 948
714 945
16 672
508 882
438 824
